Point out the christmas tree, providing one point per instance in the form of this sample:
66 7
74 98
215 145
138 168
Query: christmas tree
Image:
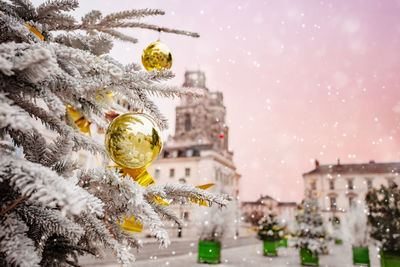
52 211
311 232
270 228
384 217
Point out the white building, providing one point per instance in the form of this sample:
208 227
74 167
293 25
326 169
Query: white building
339 186
198 152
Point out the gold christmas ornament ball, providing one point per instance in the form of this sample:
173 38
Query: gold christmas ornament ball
157 56
133 140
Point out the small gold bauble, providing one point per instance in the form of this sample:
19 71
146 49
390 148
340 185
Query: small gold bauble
157 56
133 141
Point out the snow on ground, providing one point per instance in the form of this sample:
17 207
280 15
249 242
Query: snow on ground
251 255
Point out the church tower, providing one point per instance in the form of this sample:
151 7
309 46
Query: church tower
200 122
198 152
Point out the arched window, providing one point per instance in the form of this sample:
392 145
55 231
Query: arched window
188 123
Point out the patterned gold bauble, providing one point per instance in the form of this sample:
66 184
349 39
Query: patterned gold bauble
157 56
133 140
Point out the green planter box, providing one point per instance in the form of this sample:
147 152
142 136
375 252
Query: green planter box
361 256
282 242
389 259
270 248
338 241
308 258
209 252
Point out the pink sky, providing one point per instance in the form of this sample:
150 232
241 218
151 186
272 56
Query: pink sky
301 79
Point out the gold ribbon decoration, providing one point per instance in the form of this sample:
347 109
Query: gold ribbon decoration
200 201
143 178
79 120
34 31
131 225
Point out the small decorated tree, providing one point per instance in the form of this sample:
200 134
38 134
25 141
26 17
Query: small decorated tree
356 232
384 217
270 232
311 232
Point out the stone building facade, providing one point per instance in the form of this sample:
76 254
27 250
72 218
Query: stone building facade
198 151
266 205
340 186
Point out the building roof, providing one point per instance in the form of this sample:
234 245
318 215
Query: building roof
259 201
361 168
287 204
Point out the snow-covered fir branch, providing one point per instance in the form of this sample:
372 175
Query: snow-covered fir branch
45 187
18 249
186 193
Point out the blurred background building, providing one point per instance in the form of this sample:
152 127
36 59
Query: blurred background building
253 211
340 186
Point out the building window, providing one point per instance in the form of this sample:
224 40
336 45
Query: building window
351 202
332 185
333 203
186 215
187 172
350 185
188 123
313 184
166 154
171 173
189 153
157 173
369 184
